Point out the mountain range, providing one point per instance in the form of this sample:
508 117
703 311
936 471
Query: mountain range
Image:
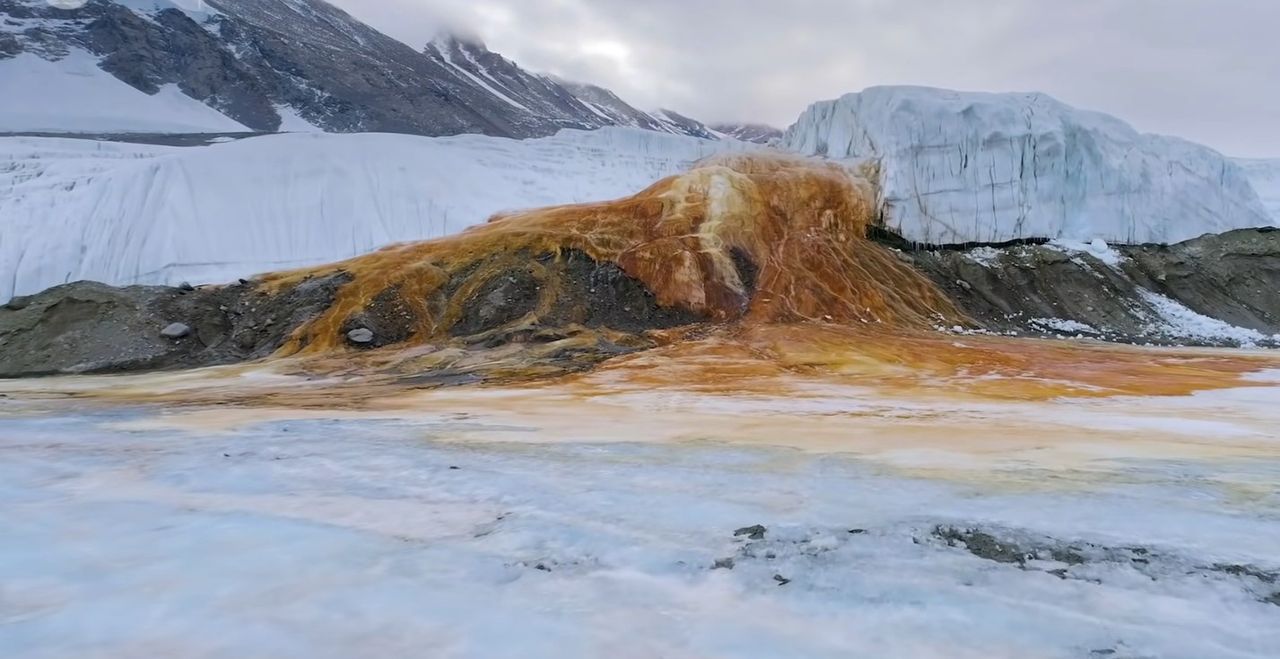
284 65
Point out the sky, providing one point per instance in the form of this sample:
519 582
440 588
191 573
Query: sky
1205 70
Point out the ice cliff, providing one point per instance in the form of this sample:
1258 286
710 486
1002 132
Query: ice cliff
962 167
118 213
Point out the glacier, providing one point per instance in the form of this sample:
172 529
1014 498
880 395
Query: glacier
1264 174
962 167
73 209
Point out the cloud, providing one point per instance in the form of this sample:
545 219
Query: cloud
1207 71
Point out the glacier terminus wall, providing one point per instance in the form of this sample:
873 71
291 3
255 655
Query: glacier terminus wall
958 167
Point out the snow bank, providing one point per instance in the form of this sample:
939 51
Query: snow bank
74 95
124 214
1176 321
974 167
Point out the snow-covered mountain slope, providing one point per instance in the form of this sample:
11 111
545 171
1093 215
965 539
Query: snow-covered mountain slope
1264 174
119 213
758 133
973 167
287 64
73 94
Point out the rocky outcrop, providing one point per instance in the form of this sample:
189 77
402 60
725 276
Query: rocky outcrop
86 327
1214 290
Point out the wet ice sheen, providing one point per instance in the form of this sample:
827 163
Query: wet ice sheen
359 538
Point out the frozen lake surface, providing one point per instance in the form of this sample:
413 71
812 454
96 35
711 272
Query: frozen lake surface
343 537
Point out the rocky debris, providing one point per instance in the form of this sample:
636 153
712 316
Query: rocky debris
756 532
782 581
983 545
1046 290
360 336
176 331
1034 553
723 564
86 327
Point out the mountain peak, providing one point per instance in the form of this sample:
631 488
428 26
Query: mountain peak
450 38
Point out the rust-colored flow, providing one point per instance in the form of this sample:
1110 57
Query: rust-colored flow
758 238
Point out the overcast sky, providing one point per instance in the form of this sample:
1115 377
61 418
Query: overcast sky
1206 70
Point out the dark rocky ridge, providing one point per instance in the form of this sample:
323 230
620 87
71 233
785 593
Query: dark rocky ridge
88 327
1233 277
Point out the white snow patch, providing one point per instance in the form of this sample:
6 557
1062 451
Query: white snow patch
1064 326
74 95
984 256
1179 322
1097 248
292 122
196 9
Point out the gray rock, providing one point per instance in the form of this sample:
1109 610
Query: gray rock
176 331
360 336
18 303
752 532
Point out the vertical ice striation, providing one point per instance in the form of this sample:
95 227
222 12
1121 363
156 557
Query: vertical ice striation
1264 174
962 167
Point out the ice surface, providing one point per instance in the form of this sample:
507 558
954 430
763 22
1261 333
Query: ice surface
361 538
976 167
125 214
74 95
1264 174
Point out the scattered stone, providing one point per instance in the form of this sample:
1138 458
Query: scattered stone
176 331
360 336
186 287
542 566
1103 653
1246 571
752 532
982 545
723 564
454 468
857 531
782 581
